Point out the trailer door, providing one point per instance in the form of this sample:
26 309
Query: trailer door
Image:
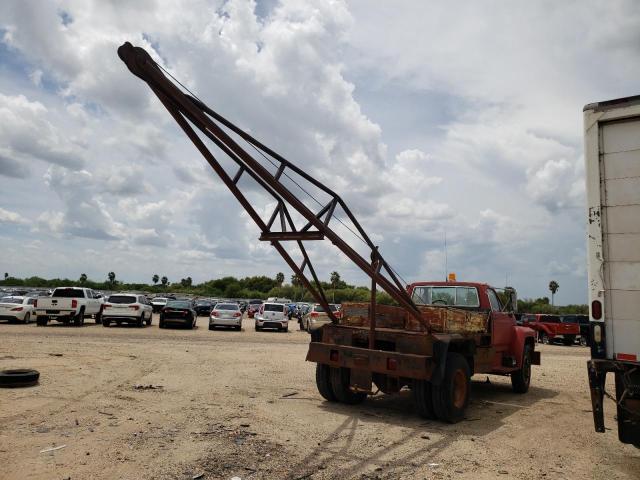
620 194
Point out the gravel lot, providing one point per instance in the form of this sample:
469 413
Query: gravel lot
225 404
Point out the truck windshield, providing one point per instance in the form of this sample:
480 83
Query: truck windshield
68 293
455 296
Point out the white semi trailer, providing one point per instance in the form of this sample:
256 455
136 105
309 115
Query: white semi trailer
612 156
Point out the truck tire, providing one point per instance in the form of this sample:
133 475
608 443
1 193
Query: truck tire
106 322
544 338
340 381
20 377
521 379
451 396
42 321
79 318
323 382
149 319
98 316
569 340
422 397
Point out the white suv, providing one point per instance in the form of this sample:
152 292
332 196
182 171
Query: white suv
127 308
272 315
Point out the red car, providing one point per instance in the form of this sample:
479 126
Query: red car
551 327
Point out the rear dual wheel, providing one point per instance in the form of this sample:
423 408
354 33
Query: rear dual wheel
448 400
334 385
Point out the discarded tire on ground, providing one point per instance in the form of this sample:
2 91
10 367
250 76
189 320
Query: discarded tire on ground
19 377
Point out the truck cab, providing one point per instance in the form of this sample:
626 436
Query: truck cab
504 337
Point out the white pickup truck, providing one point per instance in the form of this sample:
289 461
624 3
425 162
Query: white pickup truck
69 304
612 155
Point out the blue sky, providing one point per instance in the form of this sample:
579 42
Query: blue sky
461 120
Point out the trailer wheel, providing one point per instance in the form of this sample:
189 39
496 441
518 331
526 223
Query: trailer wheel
340 381
451 396
521 379
323 382
422 397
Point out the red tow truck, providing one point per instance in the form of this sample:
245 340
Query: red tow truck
437 336
551 327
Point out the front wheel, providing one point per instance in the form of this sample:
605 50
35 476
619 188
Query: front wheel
521 379
42 321
451 397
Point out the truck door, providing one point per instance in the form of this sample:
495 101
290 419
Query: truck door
501 323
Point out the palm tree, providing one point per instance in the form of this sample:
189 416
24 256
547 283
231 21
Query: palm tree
83 278
188 281
335 278
155 278
112 278
164 280
280 278
553 287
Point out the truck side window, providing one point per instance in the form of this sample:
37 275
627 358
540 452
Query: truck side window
494 301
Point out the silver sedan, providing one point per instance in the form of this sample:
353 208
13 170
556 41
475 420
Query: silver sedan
225 315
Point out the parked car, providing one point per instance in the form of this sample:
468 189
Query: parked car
158 303
253 307
68 304
583 323
127 308
203 307
272 315
178 312
317 317
17 309
550 328
226 315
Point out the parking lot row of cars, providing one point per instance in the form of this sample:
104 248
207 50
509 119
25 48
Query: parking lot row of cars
72 305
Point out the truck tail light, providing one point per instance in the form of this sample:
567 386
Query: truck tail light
134 307
74 303
334 355
106 305
596 310
35 303
392 364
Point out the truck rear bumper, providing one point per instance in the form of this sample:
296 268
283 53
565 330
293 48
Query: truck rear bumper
627 397
378 361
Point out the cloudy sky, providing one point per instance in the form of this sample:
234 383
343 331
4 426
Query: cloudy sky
459 118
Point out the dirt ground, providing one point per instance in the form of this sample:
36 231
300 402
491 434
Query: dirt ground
244 404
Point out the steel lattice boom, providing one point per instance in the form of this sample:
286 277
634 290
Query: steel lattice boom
190 112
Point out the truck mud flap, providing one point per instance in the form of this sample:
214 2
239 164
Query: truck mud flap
380 361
